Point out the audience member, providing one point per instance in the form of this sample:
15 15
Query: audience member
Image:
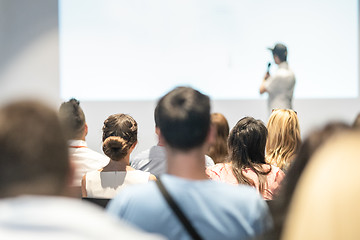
74 124
34 173
279 207
154 159
324 205
119 140
215 210
246 163
218 151
284 138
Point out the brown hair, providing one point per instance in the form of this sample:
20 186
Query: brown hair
34 157
119 135
246 145
356 123
72 118
218 151
283 139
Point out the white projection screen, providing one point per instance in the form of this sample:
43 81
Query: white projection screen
126 50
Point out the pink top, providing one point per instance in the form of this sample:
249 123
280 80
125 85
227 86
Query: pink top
222 172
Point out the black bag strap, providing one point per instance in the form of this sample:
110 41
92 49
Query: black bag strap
186 223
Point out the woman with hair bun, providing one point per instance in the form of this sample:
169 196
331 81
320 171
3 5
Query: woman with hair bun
119 140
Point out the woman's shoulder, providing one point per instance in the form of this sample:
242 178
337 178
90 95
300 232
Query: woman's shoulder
274 170
275 176
92 173
218 168
138 174
220 171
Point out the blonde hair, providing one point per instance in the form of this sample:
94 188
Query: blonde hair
283 137
325 201
218 151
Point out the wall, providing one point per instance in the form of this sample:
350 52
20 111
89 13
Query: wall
29 50
29 62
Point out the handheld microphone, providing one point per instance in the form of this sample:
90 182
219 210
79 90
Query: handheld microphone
268 67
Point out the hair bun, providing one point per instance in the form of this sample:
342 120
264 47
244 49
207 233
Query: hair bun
115 147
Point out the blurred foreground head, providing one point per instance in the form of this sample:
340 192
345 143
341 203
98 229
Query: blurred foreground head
325 202
33 150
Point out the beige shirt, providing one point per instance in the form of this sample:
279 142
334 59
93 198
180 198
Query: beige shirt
280 87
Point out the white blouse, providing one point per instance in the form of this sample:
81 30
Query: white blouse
108 184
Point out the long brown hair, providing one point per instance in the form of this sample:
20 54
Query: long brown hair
247 150
219 150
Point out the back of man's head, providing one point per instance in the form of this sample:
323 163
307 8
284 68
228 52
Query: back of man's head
183 116
33 150
280 50
72 119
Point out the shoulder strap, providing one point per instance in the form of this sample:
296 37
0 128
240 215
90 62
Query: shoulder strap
186 223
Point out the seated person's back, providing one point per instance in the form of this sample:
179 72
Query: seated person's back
119 140
246 161
216 210
154 159
238 214
75 127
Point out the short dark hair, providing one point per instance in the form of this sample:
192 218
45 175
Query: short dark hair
280 50
33 150
183 116
119 135
282 58
72 118
156 116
